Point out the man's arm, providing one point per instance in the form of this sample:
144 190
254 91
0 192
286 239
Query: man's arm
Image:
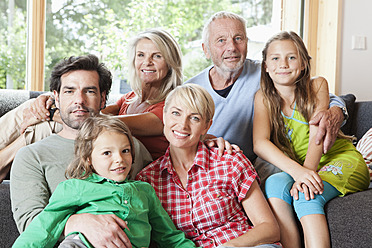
28 189
103 230
329 122
38 111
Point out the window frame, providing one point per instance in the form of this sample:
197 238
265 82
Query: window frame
321 34
36 13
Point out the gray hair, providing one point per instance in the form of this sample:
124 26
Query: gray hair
217 16
171 52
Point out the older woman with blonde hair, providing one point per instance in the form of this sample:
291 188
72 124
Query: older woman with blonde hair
212 199
155 69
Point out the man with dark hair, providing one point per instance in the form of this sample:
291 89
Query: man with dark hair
18 131
80 86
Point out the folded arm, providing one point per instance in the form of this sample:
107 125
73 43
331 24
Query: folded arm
142 124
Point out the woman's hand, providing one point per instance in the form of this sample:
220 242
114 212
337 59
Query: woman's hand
308 182
221 144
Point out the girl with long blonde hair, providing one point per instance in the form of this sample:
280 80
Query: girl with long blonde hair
287 100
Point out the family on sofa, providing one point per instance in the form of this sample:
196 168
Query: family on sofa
156 71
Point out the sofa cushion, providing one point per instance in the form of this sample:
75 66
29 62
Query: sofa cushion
349 220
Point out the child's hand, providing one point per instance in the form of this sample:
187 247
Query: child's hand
311 179
303 188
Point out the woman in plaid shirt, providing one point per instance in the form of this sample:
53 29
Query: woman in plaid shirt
215 200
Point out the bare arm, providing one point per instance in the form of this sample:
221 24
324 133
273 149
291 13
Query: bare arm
329 121
37 112
112 109
142 124
315 149
266 228
314 152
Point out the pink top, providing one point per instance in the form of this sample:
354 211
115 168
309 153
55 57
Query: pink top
156 145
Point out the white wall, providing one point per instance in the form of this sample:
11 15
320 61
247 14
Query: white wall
356 65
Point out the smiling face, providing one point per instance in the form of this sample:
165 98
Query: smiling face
150 63
183 127
79 98
283 63
227 44
111 156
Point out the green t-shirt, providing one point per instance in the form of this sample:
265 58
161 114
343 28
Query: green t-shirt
133 201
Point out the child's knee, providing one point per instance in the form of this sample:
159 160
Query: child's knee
304 207
279 186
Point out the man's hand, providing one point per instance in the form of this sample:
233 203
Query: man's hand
221 144
38 111
41 105
105 230
329 124
28 120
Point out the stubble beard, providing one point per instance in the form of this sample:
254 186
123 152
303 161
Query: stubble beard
76 123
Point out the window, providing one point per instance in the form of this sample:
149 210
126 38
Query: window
104 27
12 44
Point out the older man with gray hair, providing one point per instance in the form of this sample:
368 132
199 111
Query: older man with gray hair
233 80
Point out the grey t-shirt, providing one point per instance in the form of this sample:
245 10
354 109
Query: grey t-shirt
36 171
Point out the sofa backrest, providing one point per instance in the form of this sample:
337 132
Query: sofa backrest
360 116
9 99
361 119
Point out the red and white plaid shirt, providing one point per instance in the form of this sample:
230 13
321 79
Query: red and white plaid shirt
208 210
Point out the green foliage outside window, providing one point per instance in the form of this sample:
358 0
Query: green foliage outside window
104 27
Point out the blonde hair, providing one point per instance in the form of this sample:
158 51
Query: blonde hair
193 97
171 52
305 95
89 131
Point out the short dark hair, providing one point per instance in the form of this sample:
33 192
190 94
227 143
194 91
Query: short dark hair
88 62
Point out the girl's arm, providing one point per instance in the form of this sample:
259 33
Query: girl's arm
266 150
142 124
266 228
314 152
